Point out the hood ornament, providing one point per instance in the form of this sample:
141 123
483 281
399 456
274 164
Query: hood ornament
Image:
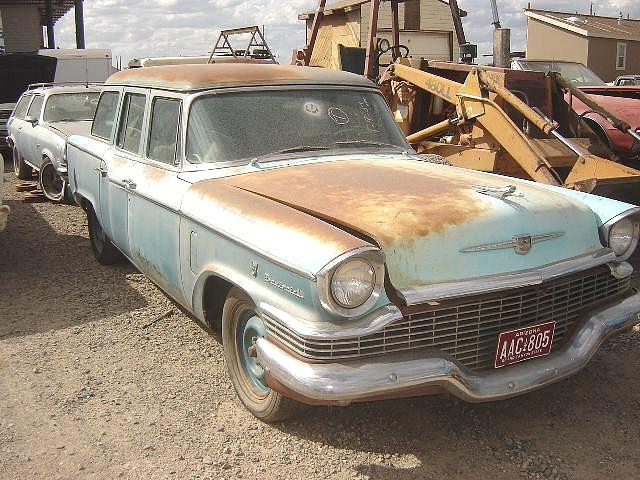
499 192
521 244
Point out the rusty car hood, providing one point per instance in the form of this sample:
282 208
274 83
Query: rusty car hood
423 215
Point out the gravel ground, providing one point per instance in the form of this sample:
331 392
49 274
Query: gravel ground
102 376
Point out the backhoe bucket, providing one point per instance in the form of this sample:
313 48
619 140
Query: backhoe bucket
603 177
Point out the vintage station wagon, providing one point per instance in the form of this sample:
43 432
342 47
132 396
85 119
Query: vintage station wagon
38 129
284 205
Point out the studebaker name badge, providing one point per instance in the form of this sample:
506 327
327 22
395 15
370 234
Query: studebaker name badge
521 244
283 286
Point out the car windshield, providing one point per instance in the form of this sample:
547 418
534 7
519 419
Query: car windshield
251 124
576 73
63 107
628 82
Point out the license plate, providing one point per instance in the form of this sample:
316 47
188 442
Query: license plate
524 344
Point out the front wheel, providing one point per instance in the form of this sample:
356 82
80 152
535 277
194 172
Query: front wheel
241 326
104 251
52 184
20 168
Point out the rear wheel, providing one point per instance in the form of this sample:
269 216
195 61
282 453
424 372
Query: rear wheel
241 326
21 169
52 184
104 251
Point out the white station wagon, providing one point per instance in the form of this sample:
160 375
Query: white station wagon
38 129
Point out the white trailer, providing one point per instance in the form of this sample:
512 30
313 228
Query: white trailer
83 66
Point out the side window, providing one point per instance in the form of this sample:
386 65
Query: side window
104 119
165 121
621 56
130 133
35 107
21 106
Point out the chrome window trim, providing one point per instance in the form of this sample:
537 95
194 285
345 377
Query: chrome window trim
604 231
371 254
493 283
122 122
116 113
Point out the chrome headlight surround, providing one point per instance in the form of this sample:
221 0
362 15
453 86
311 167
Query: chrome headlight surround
619 221
369 254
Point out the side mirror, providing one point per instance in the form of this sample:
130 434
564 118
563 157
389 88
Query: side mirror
31 119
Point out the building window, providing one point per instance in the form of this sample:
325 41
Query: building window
621 56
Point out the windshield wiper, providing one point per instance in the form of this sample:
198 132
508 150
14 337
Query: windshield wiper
368 143
299 148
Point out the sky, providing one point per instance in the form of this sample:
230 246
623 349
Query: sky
146 28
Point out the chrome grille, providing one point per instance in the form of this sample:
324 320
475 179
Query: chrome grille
468 329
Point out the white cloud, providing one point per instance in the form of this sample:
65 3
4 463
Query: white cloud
189 27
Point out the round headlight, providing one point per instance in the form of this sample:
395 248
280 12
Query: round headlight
621 236
353 282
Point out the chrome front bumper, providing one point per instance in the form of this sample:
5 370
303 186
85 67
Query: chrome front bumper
390 375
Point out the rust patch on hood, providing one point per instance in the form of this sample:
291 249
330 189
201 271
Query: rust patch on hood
388 200
254 206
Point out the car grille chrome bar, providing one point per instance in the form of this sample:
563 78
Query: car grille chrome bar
467 329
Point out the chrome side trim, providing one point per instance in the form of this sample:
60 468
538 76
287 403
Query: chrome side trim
522 278
326 330
282 263
136 193
346 382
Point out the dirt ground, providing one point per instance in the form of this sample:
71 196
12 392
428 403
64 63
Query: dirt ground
102 377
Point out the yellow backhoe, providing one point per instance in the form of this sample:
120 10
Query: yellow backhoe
512 122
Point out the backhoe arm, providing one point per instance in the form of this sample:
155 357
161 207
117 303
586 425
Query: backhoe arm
472 104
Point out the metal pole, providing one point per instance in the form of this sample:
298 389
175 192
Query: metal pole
308 50
48 18
78 7
457 21
395 29
370 63
494 11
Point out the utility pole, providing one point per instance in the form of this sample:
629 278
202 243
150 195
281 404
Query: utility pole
78 8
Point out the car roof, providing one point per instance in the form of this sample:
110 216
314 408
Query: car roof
63 89
197 77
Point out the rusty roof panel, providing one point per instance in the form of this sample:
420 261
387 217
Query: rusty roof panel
203 77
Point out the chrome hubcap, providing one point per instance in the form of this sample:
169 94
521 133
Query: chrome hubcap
247 335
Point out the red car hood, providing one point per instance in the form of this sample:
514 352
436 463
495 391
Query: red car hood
627 109
627 91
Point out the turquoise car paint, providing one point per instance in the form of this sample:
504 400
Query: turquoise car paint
401 204
456 256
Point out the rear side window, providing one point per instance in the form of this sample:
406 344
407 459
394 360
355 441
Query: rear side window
163 139
105 116
130 133
21 108
35 107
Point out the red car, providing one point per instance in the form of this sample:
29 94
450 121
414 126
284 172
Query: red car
623 102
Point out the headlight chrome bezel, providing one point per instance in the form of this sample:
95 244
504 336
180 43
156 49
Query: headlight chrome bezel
374 257
632 215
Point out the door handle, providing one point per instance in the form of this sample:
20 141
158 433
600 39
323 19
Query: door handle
130 184
101 171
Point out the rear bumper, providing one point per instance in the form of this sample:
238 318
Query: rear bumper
415 372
